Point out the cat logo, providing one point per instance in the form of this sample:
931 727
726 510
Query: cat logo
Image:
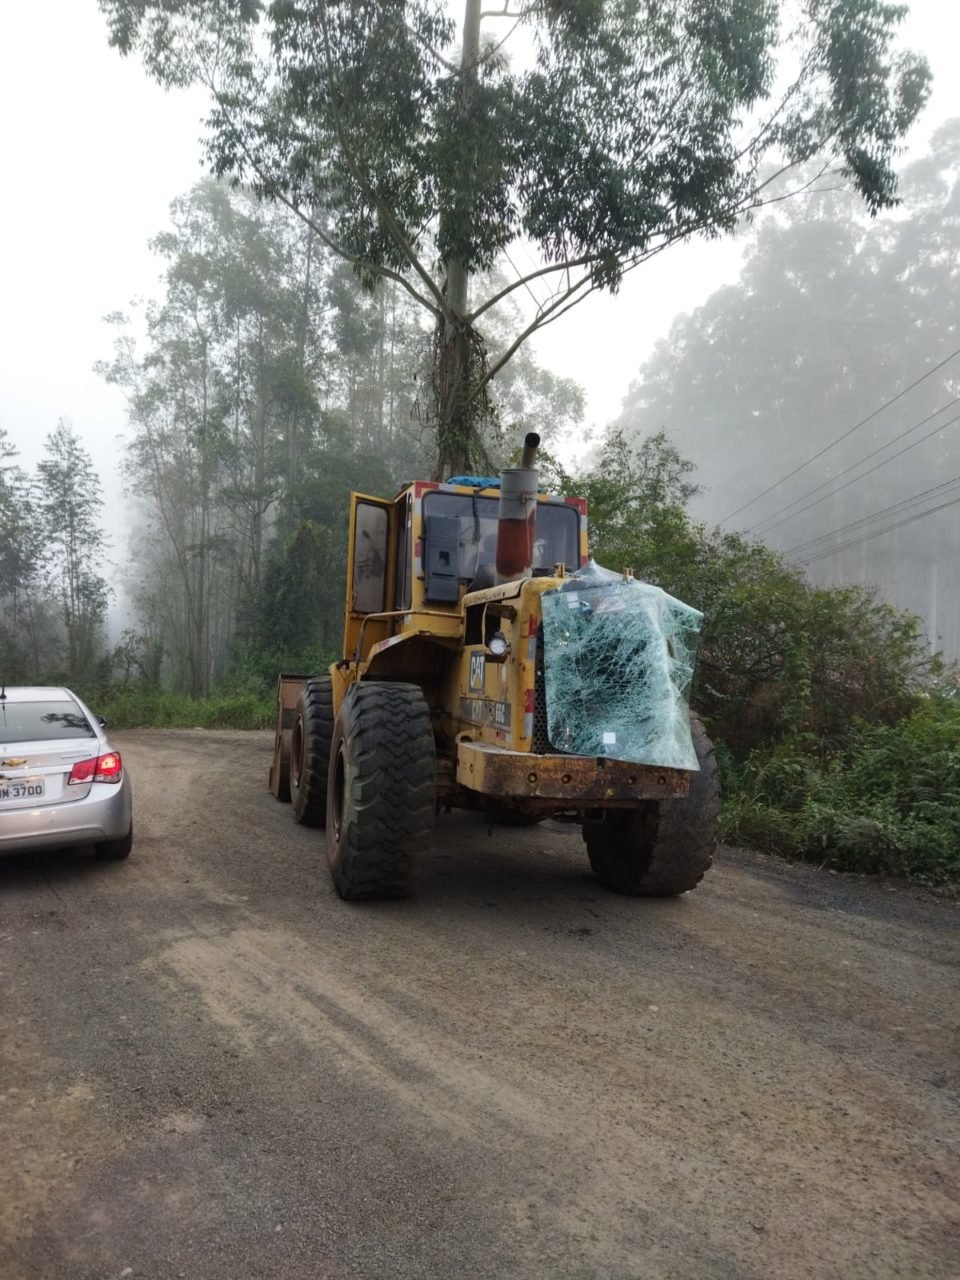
476 671
12 764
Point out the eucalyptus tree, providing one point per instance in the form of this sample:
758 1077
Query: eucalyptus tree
25 644
68 500
18 548
597 132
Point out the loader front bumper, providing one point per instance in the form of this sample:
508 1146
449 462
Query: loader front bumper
562 781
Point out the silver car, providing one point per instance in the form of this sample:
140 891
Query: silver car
61 782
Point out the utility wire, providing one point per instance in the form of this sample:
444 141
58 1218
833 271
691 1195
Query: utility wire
885 511
856 427
900 452
778 518
855 542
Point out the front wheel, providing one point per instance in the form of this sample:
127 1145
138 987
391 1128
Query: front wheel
665 847
381 797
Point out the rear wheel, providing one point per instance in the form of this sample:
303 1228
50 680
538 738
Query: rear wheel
381 800
114 850
310 751
666 847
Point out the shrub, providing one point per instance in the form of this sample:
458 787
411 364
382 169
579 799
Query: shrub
888 800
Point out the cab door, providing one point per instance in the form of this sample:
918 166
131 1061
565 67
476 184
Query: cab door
371 560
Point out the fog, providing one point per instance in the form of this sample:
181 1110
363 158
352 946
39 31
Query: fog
748 389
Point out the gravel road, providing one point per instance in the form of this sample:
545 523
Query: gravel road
211 1067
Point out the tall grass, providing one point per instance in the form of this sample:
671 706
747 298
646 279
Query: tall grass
158 709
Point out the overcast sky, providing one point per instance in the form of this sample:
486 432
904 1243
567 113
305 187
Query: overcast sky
93 155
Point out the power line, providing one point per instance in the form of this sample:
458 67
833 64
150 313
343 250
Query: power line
856 427
772 523
885 511
900 452
855 542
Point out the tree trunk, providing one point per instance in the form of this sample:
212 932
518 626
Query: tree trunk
459 446
459 443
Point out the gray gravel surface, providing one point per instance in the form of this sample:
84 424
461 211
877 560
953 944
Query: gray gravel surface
211 1067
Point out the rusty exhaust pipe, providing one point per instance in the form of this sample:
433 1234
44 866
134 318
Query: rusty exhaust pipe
516 522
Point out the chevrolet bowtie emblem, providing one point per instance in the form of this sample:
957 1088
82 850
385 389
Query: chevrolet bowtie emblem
12 764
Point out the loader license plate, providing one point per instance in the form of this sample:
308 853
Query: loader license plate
22 789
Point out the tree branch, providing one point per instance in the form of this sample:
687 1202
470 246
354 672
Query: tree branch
449 66
506 12
583 261
573 296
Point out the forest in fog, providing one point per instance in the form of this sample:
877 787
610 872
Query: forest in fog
264 383
340 308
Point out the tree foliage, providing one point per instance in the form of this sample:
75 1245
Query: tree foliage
53 593
619 129
68 503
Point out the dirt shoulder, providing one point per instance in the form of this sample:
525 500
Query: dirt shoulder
211 1067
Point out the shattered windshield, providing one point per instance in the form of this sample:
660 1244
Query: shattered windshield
618 663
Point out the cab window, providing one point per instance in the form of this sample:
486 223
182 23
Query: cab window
556 540
371 538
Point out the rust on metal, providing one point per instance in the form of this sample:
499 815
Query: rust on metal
577 781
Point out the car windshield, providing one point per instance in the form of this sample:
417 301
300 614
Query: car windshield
42 721
556 539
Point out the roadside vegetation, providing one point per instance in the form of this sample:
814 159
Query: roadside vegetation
137 708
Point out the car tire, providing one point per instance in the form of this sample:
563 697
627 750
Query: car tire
381 802
115 850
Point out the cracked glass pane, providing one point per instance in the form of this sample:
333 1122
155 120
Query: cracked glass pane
618 663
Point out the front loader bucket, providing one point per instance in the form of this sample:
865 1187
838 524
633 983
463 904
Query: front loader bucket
288 690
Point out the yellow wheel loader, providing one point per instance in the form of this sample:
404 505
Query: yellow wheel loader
488 664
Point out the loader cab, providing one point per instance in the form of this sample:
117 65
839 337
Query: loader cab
412 560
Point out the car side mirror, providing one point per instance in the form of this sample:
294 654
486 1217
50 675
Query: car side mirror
100 721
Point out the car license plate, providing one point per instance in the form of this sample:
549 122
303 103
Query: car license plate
22 789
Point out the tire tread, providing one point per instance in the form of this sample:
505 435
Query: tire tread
389 815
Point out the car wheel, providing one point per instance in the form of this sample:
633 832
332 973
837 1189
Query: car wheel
114 850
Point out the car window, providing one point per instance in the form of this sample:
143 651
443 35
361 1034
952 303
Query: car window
42 721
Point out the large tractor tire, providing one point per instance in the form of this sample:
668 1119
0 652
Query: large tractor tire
310 751
381 801
664 848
